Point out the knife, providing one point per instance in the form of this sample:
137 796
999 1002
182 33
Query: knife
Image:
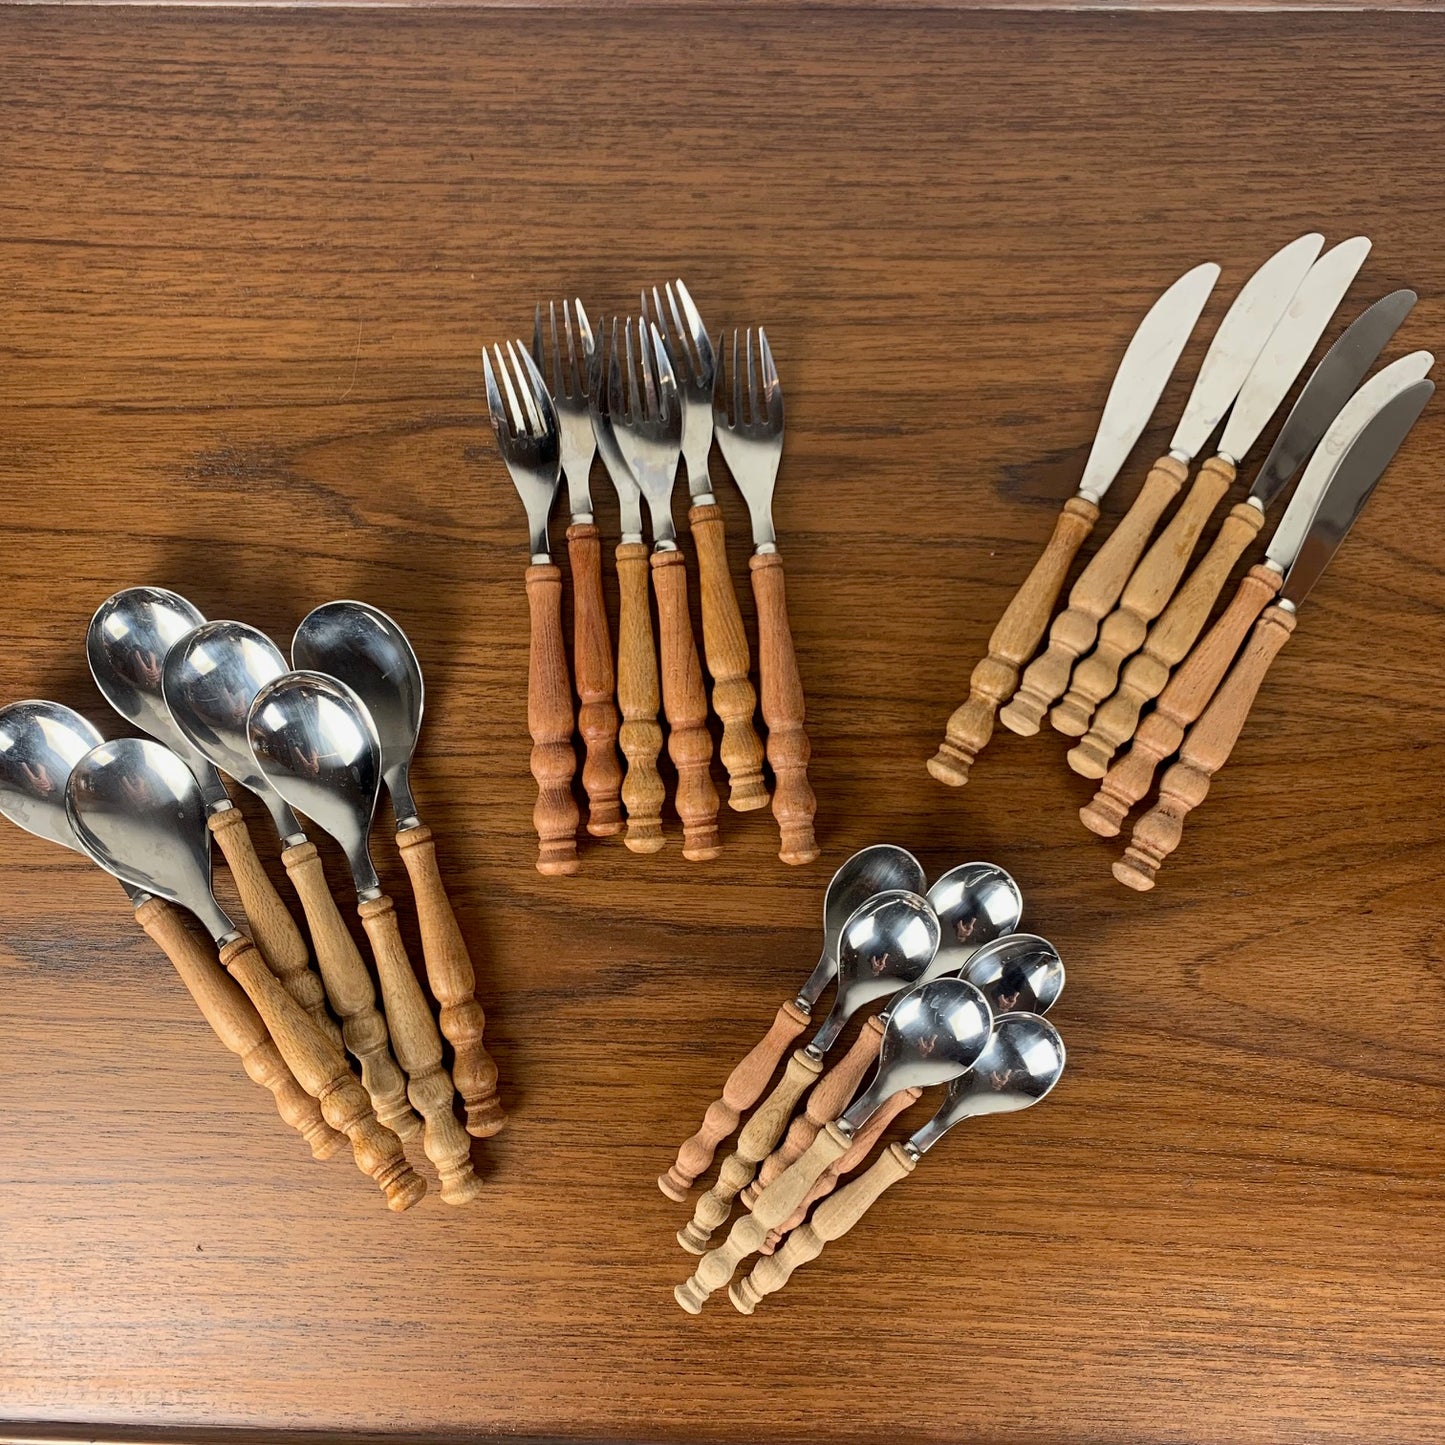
1242 334
1148 363
1154 580
1212 738
1181 622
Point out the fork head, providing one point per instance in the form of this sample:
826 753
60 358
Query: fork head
751 434
568 364
646 414
694 363
525 422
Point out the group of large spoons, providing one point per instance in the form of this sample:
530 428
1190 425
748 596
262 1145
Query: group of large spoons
219 697
965 997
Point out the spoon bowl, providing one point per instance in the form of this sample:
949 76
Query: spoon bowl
40 743
1019 973
976 903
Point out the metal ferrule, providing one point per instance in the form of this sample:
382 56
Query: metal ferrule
1285 605
664 544
765 549
541 559
582 519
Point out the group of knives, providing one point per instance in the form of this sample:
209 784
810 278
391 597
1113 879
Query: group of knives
659 395
1130 635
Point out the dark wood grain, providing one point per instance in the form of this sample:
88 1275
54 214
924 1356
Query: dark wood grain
248 263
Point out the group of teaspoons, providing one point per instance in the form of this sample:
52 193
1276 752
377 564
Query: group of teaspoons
966 994
1349 436
220 697
660 394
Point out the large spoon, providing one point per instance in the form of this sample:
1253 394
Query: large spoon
138 810
936 1033
370 653
887 945
126 645
316 745
1021 1063
209 680
873 870
40 742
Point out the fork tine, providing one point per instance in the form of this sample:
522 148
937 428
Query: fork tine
574 376
719 388
517 418
534 426
648 386
544 412
495 404
755 414
539 353
737 384
591 352
707 358
614 378
666 379
772 391
631 411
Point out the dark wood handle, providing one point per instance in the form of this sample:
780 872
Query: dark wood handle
592 663
549 720
639 698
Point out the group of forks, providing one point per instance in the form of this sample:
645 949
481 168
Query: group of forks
667 392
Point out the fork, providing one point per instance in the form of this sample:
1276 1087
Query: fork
647 420
526 427
751 441
591 645
725 643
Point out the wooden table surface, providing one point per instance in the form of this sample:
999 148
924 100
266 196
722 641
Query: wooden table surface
248 264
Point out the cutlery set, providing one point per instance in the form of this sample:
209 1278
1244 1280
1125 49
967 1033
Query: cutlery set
219 698
963 993
657 395
1130 635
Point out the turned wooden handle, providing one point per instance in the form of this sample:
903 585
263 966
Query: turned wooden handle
831 1221
638 697
592 664
1145 596
549 720
783 711
321 1070
273 929
419 1051
774 1205
236 1023
1014 641
759 1135
1168 642
453 983
1205 751
744 1087
689 744
1186 696
1097 590
725 646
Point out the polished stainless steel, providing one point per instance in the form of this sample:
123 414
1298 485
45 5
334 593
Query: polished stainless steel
1021 1062
570 377
751 436
647 422
368 651
629 494
1289 345
40 742
138 811
1329 387
1389 381
935 1032
694 364
126 645
317 746
1359 470
1148 363
527 436
886 945
975 903
1019 973
1242 334
209 679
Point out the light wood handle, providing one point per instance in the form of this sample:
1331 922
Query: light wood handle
453 983
549 720
1014 641
348 986
1097 590
592 663
1145 596
236 1023
759 1135
832 1221
419 1051
638 697
784 711
273 929
321 1070
1186 696
1168 642
774 1205
725 645
1205 751
744 1087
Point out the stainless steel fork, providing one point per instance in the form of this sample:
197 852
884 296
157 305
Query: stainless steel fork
526 426
725 642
